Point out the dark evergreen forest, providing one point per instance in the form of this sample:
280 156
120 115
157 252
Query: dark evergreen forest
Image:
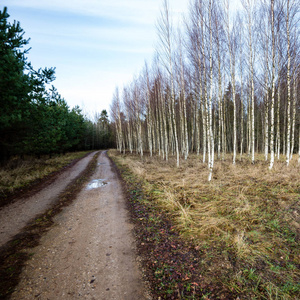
34 118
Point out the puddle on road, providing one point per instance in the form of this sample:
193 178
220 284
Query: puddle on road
96 183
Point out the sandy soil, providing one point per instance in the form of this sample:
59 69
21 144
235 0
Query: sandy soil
90 251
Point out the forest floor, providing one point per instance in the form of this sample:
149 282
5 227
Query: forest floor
77 244
236 237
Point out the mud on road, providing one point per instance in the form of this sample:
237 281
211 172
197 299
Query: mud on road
89 252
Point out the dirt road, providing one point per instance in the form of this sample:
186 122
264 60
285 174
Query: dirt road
14 217
90 252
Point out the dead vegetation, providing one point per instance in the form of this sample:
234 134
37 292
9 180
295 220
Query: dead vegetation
246 220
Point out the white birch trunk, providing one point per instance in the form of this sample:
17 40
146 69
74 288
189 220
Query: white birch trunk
173 116
288 139
273 87
222 130
197 133
184 131
211 135
242 98
206 141
120 128
163 114
219 94
149 114
249 8
278 117
249 122
129 136
138 123
293 115
266 102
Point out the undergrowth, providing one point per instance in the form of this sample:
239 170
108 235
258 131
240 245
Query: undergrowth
244 225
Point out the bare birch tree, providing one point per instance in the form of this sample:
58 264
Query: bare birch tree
241 63
272 84
149 115
128 111
164 27
182 99
288 138
116 113
294 111
209 104
249 7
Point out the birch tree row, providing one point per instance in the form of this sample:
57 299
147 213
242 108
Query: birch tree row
224 81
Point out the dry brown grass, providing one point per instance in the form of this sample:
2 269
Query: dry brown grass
247 209
18 173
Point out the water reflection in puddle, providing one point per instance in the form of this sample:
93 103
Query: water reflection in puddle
96 183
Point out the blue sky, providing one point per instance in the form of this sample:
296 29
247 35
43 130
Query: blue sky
95 45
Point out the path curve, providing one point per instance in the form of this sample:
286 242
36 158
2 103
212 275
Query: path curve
90 251
15 216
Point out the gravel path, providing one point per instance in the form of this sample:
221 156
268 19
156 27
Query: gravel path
90 251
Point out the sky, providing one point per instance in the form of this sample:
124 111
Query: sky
95 45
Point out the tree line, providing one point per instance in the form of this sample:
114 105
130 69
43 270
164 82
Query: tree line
34 118
224 81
